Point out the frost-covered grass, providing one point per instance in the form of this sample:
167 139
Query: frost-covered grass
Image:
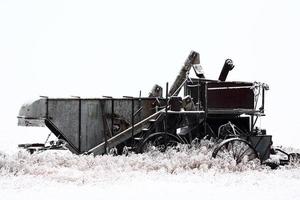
63 166
177 173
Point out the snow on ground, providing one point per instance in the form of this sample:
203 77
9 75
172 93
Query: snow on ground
177 174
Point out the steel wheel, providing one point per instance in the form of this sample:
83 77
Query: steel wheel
159 141
235 148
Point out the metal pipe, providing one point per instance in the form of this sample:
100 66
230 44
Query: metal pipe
132 120
262 109
79 125
101 103
179 88
228 66
112 116
206 107
193 58
198 93
138 111
166 116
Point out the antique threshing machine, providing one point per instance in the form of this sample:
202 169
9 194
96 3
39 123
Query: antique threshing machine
220 109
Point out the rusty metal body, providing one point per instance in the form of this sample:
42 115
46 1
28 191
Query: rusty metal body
210 108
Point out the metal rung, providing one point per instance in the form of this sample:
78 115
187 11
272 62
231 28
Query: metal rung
145 129
152 120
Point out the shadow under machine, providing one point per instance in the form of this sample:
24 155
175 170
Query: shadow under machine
226 111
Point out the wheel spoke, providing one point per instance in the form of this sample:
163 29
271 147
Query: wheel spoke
158 141
235 148
239 153
244 153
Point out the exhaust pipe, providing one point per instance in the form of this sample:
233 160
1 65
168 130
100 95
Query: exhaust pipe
228 66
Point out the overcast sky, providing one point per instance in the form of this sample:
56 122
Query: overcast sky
95 48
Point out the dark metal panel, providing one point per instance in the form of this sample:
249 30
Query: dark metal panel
96 118
230 98
262 144
64 115
33 110
123 109
222 95
92 124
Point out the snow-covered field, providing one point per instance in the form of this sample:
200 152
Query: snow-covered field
187 173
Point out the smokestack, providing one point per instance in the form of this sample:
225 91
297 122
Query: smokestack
228 66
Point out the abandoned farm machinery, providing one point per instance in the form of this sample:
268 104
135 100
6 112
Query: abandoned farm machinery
224 110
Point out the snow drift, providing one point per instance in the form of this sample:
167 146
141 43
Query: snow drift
181 173
63 166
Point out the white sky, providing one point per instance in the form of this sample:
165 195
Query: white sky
94 48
